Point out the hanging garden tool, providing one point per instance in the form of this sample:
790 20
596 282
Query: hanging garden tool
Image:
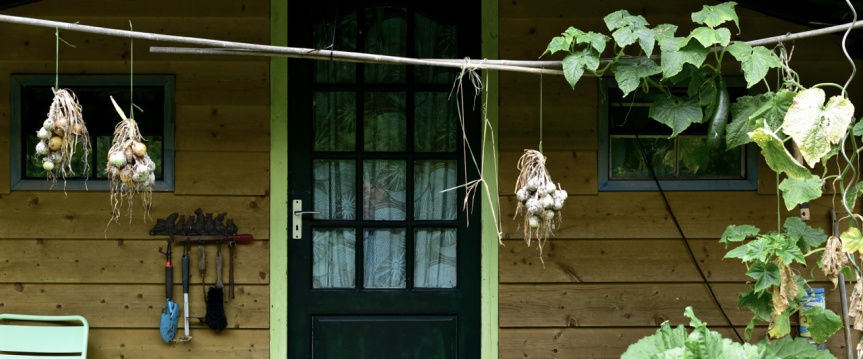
215 316
170 311
186 337
63 132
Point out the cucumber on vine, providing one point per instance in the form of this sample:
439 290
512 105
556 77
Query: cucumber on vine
719 118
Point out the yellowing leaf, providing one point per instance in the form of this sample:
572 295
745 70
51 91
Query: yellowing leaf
776 155
852 240
780 327
814 126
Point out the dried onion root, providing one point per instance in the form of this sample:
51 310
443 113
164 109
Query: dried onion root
60 135
129 168
539 200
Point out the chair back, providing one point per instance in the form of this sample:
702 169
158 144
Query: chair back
43 336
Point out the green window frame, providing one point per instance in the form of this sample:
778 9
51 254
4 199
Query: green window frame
681 164
31 97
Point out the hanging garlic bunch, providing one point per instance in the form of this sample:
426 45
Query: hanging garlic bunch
129 168
539 200
60 135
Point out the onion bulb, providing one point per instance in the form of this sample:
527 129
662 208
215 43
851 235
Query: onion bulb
533 221
139 149
549 214
42 148
43 134
532 184
48 125
549 187
558 204
560 194
61 124
117 159
522 194
55 143
47 165
546 202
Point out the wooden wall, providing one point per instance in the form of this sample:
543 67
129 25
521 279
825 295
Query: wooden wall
618 267
56 256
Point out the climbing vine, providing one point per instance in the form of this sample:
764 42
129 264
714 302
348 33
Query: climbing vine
795 127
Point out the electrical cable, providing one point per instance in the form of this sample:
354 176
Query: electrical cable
685 240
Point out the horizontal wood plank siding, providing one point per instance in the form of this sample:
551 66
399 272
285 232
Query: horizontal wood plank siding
60 258
617 267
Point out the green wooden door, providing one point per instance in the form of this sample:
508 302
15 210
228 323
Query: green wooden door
387 267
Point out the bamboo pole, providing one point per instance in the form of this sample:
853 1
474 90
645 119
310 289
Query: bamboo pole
240 48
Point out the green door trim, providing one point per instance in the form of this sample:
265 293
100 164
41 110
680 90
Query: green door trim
279 188
278 183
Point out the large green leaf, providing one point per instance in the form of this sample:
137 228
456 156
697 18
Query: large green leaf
664 31
796 348
776 155
595 40
785 248
629 72
858 128
740 50
852 240
716 15
759 303
800 190
774 109
735 233
575 64
755 249
822 323
622 18
708 37
673 58
806 236
629 29
765 275
814 126
737 132
653 346
558 43
676 112
780 326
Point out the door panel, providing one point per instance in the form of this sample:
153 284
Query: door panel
387 266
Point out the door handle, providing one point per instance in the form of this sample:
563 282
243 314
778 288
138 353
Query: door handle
297 229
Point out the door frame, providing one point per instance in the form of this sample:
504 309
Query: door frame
279 188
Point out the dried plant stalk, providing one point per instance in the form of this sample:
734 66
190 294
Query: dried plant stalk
61 134
539 199
855 306
129 168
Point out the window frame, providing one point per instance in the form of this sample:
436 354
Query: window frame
606 184
19 81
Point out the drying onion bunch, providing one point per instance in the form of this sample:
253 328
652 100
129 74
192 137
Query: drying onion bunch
60 135
539 200
129 168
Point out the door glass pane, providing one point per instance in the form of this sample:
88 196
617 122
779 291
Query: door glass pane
434 40
696 160
334 194
386 35
333 258
436 125
384 122
384 258
335 121
431 178
384 185
435 258
344 39
627 159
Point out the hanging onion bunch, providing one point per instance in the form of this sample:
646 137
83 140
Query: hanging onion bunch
129 168
539 199
60 135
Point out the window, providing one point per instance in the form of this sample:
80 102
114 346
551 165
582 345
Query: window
683 163
32 95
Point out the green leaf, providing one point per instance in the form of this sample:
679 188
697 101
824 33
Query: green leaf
814 127
747 333
781 326
785 248
645 37
822 323
800 190
796 348
673 58
774 109
736 233
675 112
852 240
740 50
629 72
858 129
756 249
765 275
756 66
621 18
664 31
575 64
708 37
716 15
737 132
776 155
595 40
558 43
759 303
653 346
806 236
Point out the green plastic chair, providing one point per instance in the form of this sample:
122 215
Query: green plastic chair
27 336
